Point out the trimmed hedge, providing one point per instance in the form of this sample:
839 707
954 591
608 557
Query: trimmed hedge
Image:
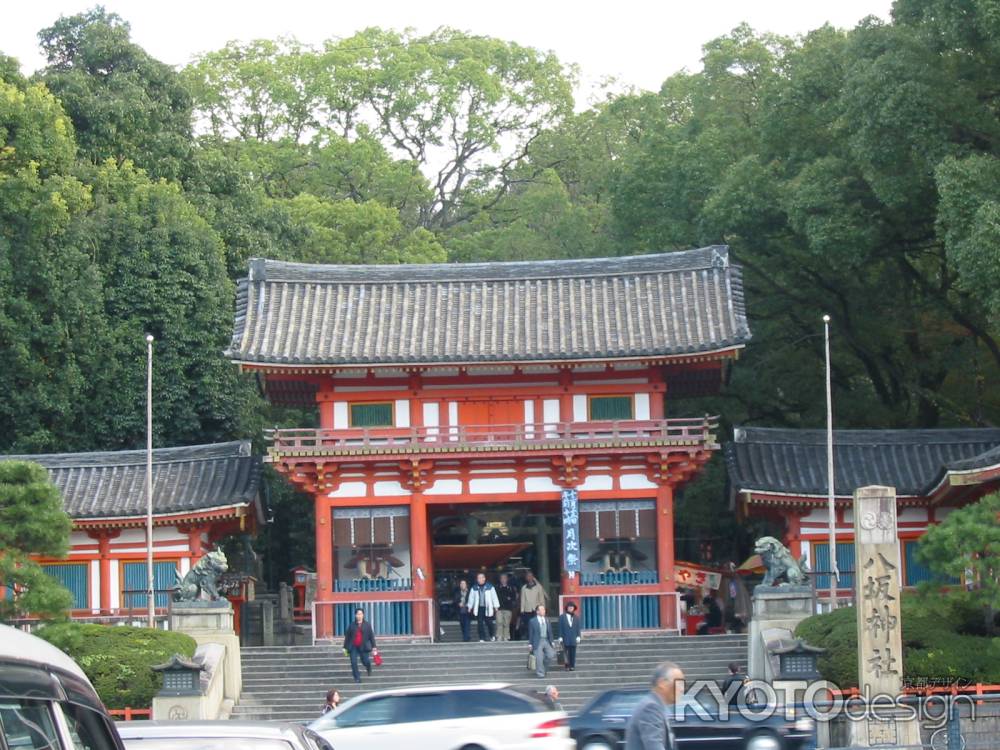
937 643
118 659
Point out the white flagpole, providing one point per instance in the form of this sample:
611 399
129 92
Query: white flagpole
830 505
150 579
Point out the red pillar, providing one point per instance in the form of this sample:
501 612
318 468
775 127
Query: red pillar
194 543
324 400
793 534
324 566
565 397
420 562
665 553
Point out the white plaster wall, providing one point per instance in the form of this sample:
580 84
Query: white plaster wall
132 536
635 482
550 410
579 407
390 489
596 482
402 412
816 515
912 515
445 487
184 566
94 592
80 538
167 534
942 513
499 484
540 484
341 420
116 597
641 410
350 489
431 418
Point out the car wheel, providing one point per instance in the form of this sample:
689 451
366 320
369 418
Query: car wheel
597 744
763 741
472 747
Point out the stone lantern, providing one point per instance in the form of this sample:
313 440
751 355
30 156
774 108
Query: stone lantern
180 676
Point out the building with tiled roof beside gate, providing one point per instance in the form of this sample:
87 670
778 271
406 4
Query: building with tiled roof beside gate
201 493
461 406
781 474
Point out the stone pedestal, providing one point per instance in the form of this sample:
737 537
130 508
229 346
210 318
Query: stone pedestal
212 622
776 611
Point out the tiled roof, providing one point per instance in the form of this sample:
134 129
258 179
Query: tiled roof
187 479
645 305
794 461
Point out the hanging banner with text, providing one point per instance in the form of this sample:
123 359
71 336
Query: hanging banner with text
688 575
571 531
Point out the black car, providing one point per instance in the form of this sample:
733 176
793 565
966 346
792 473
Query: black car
600 725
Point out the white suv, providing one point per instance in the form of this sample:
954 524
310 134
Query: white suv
46 701
490 716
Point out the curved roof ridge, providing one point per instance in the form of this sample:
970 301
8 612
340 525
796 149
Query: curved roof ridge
175 454
901 436
710 256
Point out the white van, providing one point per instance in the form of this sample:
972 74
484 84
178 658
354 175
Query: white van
46 701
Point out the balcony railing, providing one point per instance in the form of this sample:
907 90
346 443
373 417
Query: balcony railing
681 431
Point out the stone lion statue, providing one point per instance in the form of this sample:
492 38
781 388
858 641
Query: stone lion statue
779 563
202 581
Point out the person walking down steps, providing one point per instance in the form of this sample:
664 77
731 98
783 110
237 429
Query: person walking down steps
359 643
569 632
540 638
507 595
483 605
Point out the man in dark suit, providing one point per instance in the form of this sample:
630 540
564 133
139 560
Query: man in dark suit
540 638
648 728
569 631
359 643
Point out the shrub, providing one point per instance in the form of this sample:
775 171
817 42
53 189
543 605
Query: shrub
936 640
118 659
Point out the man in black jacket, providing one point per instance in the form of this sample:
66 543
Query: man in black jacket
507 595
359 642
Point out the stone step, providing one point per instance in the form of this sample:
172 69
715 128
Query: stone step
289 682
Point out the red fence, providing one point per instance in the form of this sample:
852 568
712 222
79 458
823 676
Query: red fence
128 714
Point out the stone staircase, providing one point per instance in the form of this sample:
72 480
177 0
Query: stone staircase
289 682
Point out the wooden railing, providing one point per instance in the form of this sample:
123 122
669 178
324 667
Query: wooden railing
682 431
130 714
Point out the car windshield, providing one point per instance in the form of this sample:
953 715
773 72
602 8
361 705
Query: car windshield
27 725
205 743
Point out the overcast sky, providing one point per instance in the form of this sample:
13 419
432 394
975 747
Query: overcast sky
640 43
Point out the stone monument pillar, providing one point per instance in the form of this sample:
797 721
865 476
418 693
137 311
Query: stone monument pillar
212 622
877 591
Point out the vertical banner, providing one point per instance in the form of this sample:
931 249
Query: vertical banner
571 531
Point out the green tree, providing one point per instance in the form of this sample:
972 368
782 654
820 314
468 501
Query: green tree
54 339
164 273
32 521
967 545
123 103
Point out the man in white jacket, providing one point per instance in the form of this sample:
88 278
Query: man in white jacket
483 605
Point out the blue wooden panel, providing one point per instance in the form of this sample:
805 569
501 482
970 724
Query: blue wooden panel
75 578
387 618
134 581
637 578
367 585
845 564
918 572
621 612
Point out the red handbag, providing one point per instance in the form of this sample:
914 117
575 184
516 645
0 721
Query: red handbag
377 658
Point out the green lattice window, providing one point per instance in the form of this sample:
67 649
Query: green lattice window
611 407
73 576
372 415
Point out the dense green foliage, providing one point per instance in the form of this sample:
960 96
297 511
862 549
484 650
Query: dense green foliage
853 172
942 639
117 660
32 520
967 545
